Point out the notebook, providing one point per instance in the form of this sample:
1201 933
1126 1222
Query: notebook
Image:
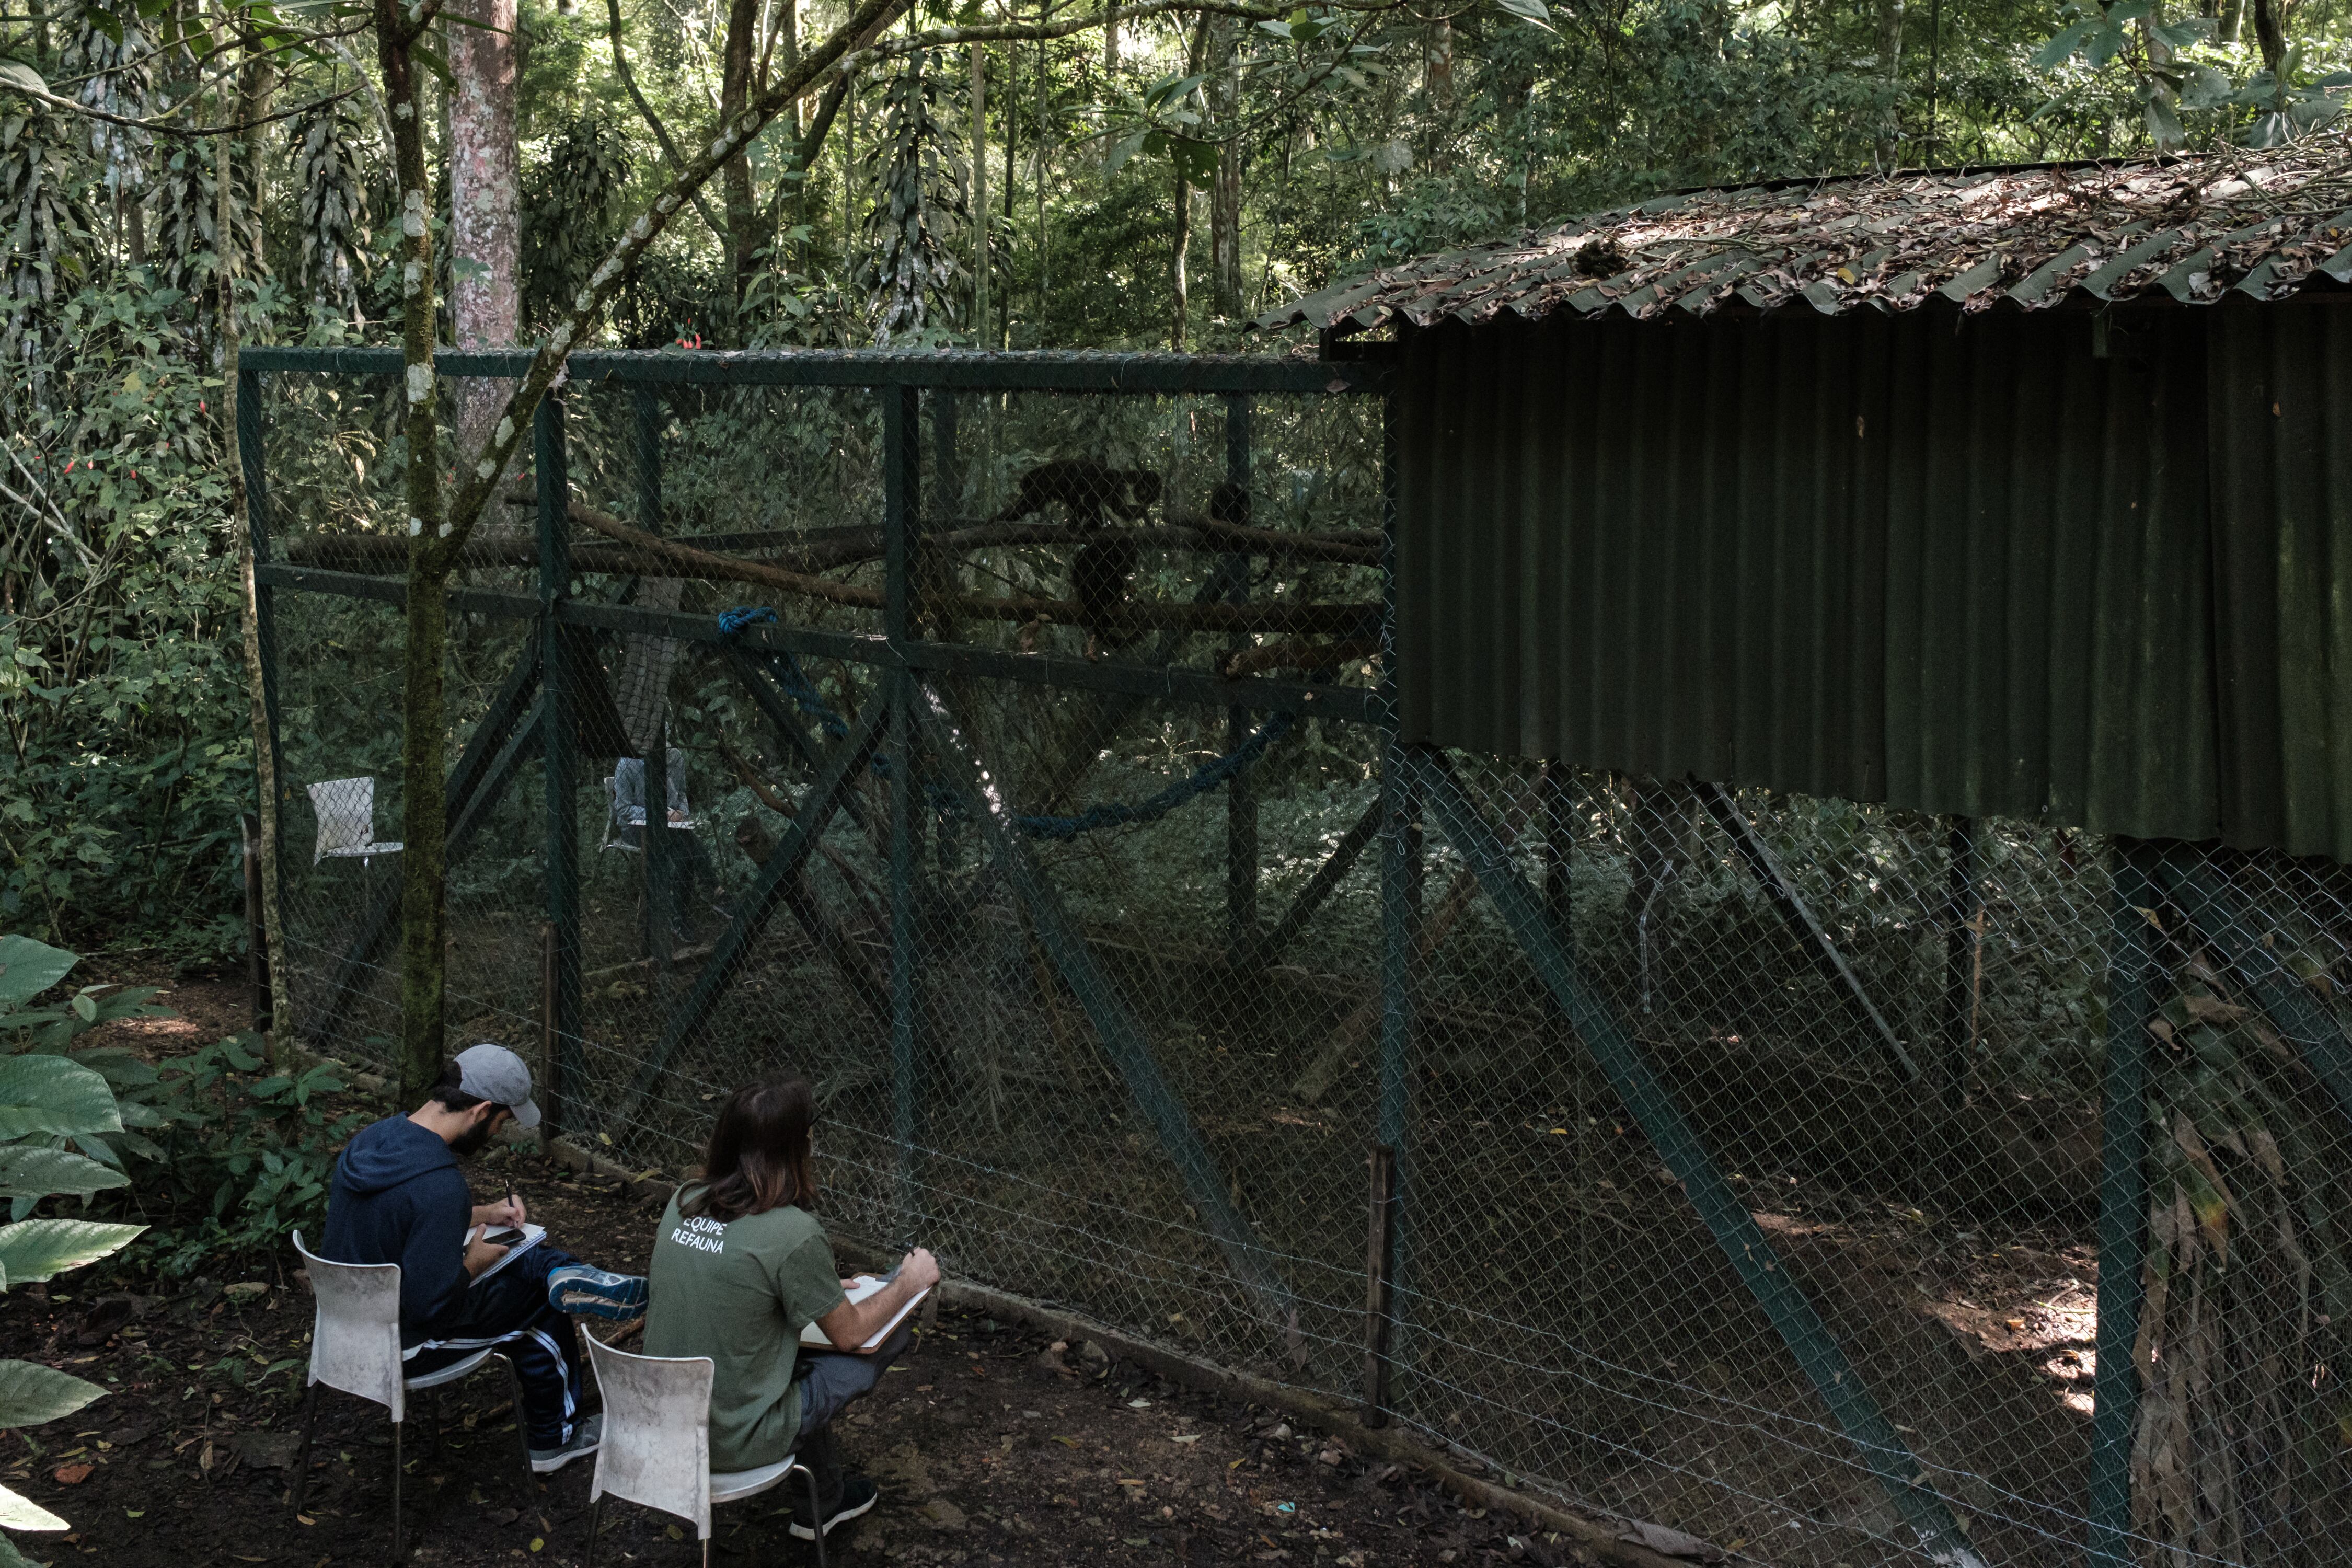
862 1286
516 1242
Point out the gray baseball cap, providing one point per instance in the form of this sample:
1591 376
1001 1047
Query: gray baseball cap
496 1074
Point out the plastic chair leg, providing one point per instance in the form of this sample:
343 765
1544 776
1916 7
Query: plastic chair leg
302 1459
399 1524
522 1430
595 1523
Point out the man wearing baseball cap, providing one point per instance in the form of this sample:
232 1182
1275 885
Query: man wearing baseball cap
398 1197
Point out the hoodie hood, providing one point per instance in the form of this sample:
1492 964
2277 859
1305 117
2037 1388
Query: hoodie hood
393 1150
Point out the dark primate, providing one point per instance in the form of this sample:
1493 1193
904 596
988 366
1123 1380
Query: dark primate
1099 578
1091 493
1230 503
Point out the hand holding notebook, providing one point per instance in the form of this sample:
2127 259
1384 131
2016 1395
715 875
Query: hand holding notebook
874 1307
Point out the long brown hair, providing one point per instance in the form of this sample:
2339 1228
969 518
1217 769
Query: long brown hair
759 1153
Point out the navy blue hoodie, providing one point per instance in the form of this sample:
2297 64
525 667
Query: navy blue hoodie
398 1198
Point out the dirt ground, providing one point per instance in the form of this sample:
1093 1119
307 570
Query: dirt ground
990 1444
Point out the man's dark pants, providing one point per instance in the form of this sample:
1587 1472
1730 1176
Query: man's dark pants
830 1381
509 1309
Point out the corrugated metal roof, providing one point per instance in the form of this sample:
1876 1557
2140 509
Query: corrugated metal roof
2194 229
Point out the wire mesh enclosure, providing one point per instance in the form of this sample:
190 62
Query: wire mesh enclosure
1002 742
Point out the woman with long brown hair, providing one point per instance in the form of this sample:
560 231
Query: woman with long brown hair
741 1266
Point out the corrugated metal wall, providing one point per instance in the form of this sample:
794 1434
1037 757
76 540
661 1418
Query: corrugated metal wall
2282 425
1954 567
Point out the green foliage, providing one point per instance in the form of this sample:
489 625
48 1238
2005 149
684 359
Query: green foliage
572 212
45 1102
249 1157
915 284
333 212
121 677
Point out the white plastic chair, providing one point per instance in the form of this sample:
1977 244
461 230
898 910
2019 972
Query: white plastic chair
346 813
656 1449
356 1347
624 797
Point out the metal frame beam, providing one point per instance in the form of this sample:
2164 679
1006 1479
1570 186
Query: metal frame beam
2123 1207
1645 1095
1811 935
1036 371
1257 693
784 863
1319 887
1123 1039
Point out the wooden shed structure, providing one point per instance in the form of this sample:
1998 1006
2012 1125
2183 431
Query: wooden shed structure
2016 491
2019 492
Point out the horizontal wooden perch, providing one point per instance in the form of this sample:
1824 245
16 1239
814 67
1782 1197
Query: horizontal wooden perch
637 554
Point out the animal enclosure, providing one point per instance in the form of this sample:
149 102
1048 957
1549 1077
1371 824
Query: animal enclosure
1004 741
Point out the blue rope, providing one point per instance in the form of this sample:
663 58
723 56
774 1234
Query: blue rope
1208 776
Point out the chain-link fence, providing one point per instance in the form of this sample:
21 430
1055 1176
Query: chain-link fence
1736 1158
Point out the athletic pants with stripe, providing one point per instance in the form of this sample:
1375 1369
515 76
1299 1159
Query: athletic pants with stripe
509 1309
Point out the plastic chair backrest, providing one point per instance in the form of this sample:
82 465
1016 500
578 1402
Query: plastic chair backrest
656 1449
346 812
355 1335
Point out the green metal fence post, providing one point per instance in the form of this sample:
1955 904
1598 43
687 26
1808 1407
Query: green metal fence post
2123 1206
659 864
1241 794
559 745
1751 1253
1401 890
902 479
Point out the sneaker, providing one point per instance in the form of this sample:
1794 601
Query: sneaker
585 1438
594 1293
858 1496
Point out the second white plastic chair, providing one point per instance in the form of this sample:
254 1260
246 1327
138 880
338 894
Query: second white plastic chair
356 1347
657 1444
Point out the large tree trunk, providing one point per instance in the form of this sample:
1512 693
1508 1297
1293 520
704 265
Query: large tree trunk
1437 87
1178 267
1890 74
980 331
484 201
2270 33
424 732
735 174
1225 195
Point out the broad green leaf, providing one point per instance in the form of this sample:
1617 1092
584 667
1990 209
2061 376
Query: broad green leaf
2269 131
116 1065
33 1250
23 1513
2185 33
2061 48
2164 126
28 967
85 1007
2130 10
2104 43
40 1172
50 1094
1533 11
17 73
2206 88
31 1393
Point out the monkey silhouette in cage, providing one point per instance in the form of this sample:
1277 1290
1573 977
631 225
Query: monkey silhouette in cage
1088 492
1092 495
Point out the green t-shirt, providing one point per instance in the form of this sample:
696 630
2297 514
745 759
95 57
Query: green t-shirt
739 1292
